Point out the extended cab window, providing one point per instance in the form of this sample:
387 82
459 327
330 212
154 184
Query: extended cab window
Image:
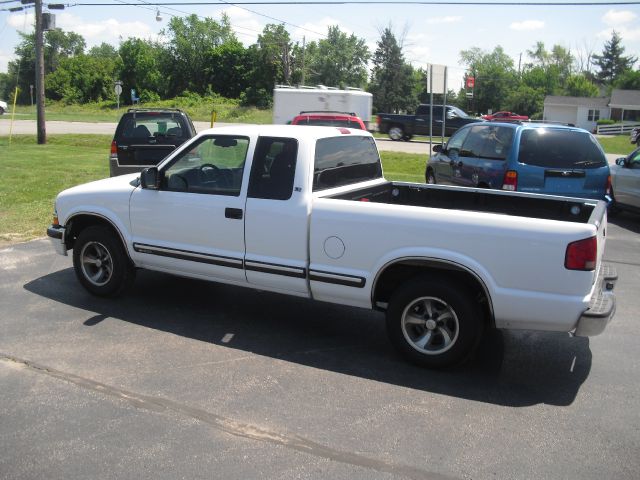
344 160
274 168
213 165
559 148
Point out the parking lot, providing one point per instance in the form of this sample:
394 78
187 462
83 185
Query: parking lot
186 379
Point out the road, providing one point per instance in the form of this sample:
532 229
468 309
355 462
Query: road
186 379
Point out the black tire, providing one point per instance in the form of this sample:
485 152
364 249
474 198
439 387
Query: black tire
1 111
101 263
396 133
433 322
430 177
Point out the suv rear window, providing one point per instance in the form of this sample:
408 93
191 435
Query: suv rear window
344 160
144 125
555 148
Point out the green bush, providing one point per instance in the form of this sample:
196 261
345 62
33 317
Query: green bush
605 121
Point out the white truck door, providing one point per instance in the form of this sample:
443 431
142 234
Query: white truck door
194 223
277 216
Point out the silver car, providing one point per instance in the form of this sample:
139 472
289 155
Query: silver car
3 107
625 182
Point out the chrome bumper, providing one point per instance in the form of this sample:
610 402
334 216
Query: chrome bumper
56 234
602 306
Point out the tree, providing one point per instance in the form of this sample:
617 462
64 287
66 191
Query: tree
82 78
629 80
495 76
612 63
140 67
338 60
580 86
392 79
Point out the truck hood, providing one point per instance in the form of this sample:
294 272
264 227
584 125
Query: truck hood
102 196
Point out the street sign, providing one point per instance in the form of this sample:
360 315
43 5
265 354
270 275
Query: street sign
118 89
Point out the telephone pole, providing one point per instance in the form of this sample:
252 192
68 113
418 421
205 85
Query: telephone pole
41 126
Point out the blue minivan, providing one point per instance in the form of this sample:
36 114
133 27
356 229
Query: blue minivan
525 157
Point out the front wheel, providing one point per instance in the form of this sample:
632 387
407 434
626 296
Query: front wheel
101 263
430 177
433 322
396 133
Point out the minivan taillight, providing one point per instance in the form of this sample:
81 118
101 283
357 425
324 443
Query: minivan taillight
510 181
114 149
582 255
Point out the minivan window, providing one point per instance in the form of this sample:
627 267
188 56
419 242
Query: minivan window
491 142
556 148
343 160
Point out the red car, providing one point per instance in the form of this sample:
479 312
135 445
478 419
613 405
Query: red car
505 116
329 119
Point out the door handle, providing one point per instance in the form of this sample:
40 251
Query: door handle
234 213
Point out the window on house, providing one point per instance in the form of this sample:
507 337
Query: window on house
594 115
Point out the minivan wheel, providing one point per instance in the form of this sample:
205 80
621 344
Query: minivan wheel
101 263
430 177
433 323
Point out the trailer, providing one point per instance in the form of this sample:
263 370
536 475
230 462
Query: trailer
290 101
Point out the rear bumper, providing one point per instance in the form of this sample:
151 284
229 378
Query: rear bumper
56 234
602 306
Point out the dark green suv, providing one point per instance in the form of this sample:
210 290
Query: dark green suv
145 136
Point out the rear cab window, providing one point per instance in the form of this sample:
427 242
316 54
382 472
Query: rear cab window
344 160
559 148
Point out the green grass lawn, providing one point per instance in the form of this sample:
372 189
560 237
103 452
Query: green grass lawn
616 144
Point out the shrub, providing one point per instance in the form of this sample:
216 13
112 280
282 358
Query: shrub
605 121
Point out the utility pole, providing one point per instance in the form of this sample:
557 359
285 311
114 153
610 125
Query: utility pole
303 48
41 125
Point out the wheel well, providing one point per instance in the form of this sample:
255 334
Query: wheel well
398 273
78 223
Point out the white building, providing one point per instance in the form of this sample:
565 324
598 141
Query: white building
583 112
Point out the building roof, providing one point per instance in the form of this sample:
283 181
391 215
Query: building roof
628 99
560 101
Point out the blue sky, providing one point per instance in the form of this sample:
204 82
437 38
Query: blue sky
430 33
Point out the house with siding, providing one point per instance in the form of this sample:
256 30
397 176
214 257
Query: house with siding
584 112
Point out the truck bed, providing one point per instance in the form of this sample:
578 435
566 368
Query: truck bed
482 200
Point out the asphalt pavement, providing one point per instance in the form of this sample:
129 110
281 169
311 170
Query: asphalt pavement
186 379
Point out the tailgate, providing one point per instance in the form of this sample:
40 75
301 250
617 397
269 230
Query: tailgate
585 183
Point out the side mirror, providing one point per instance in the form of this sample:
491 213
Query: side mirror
437 148
620 161
150 178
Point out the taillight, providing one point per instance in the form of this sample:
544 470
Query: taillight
510 181
114 149
607 189
582 255
378 120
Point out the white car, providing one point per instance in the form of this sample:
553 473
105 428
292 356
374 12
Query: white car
306 211
625 182
3 107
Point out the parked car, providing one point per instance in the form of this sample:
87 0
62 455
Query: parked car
634 136
536 158
306 211
404 127
3 107
145 136
329 119
505 116
625 182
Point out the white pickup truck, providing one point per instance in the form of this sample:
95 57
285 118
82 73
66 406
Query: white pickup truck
306 211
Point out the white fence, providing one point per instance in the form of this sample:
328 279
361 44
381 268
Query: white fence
617 129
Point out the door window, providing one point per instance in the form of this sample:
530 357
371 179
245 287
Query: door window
213 165
455 142
274 168
489 142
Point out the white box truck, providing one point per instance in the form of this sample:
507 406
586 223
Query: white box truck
290 101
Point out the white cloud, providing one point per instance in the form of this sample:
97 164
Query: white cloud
21 21
527 25
245 24
5 58
314 31
448 19
615 18
109 30
627 34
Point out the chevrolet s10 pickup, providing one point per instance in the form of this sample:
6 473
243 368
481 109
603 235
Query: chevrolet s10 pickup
306 211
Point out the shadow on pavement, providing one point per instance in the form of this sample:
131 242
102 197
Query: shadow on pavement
627 220
511 368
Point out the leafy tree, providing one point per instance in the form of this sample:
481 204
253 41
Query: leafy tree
140 67
612 63
229 68
629 80
580 86
526 100
392 78
338 60
82 78
495 76
191 43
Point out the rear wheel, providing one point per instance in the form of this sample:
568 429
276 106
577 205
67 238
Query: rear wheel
430 177
433 322
1 111
101 263
396 133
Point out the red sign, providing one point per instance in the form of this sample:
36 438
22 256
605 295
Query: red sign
471 81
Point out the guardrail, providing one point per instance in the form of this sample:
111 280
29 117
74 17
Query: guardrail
617 129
